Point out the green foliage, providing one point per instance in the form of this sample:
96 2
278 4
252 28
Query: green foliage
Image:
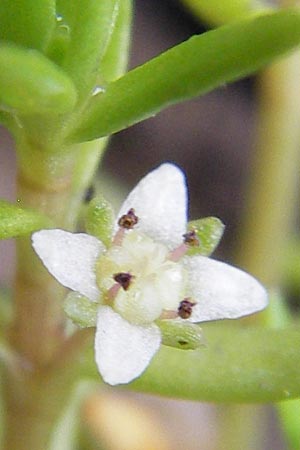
237 365
28 23
192 68
209 231
219 12
179 334
16 221
100 219
91 27
114 62
30 83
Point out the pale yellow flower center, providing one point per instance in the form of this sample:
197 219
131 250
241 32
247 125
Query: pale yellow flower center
157 283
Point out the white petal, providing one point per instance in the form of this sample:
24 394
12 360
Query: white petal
222 291
160 202
123 350
70 258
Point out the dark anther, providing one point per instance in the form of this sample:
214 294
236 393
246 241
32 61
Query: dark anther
191 238
90 193
124 279
129 220
185 308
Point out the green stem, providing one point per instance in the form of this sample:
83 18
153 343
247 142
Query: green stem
273 191
35 396
87 161
34 402
270 207
240 427
44 184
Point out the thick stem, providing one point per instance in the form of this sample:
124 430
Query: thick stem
273 191
241 427
43 183
34 401
36 394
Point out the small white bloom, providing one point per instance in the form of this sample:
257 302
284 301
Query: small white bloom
145 275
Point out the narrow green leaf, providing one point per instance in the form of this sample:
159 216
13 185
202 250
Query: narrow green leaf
91 29
183 335
192 68
31 83
27 22
100 219
237 365
16 221
209 232
219 12
114 62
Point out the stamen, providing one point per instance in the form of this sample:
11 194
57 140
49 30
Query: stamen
185 308
124 279
176 254
129 220
191 239
112 292
168 314
118 237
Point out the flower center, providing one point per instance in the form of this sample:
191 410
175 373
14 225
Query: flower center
138 279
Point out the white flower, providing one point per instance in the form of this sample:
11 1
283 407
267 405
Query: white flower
146 275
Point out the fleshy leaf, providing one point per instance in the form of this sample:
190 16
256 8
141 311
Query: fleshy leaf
114 62
81 310
237 365
60 40
194 67
179 334
223 11
91 28
31 83
27 22
16 221
100 219
209 231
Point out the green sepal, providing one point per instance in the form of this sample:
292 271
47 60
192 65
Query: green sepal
16 221
180 334
32 84
81 310
209 231
100 219
191 68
